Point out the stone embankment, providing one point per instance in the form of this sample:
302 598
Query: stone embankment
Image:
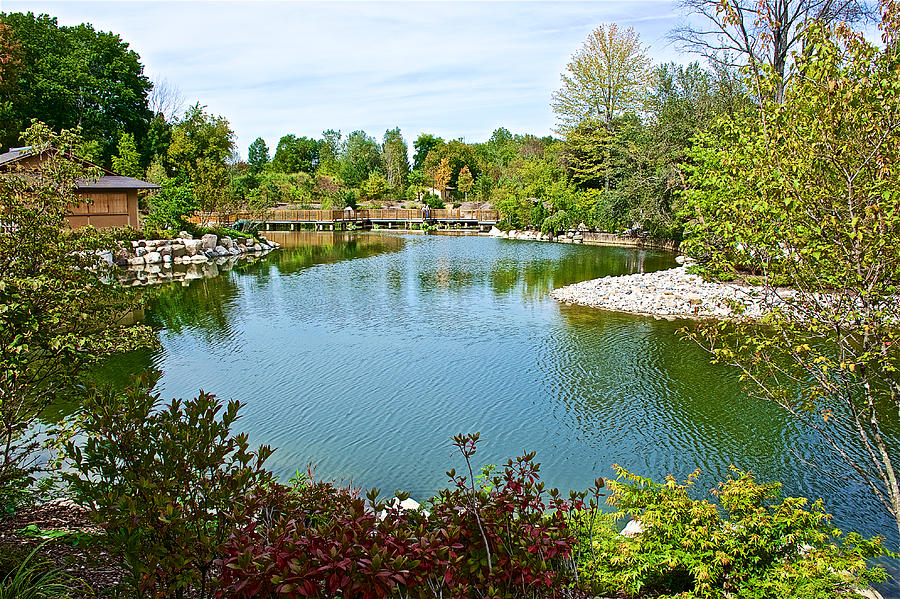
584 236
184 249
669 293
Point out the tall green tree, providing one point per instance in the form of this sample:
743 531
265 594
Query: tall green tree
258 155
127 160
201 146
607 77
423 145
806 194
329 152
296 154
395 158
359 158
74 76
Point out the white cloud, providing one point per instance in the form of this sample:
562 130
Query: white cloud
456 69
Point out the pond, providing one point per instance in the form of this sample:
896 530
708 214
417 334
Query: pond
364 352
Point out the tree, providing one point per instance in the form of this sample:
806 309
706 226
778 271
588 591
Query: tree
329 151
359 158
200 148
171 206
127 162
375 186
423 145
395 158
465 181
75 76
441 174
759 33
606 77
258 155
296 154
166 99
807 194
58 310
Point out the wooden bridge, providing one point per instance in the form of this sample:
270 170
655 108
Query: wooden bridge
342 219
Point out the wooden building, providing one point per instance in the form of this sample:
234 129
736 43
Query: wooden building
110 201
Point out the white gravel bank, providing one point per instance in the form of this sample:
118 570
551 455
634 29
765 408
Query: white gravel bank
672 293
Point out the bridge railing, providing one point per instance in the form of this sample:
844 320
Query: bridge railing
332 216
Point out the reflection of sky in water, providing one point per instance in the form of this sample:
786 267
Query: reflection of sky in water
364 353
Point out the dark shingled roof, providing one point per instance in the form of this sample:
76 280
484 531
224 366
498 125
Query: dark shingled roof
115 182
106 181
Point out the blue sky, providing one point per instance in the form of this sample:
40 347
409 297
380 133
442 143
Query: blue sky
455 69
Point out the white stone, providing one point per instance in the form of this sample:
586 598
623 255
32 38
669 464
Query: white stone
209 241
633 528
153 258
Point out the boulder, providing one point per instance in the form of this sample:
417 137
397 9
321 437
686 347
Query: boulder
153 258
209 241
165 250
140 251
177 250
192 246
633 528
221 251
185 235
136 260
167 259
121 257
226 242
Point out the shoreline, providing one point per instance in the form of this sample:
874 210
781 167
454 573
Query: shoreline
671 293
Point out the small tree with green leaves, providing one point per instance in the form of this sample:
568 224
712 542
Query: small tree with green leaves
807 194
58 310
465 181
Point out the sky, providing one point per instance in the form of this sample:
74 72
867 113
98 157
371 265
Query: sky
453 69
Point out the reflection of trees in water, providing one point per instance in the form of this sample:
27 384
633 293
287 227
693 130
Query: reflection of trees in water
540 275
204 305
303 249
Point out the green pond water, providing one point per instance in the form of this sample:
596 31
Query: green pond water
364 352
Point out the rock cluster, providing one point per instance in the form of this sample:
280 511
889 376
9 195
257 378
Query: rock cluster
669 293
569 237
185 272
184 249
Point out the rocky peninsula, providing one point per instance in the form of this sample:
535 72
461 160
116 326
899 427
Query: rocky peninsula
672 293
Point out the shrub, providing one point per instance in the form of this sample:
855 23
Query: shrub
31 579
171 206
499 538
687 548
164 481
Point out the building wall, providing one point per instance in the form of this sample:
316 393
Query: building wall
106 208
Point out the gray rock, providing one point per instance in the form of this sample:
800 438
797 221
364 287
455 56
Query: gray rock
221 250
153 258
140 251
185 235
165 250
121 257
192 246
137 260
167 259
209 241
226 242
178 249
210 254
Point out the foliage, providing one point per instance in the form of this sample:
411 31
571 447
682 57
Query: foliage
465 181
200 146
688 548
171 206
760 34
807 193
375 186
31 579
423 146
360 156
57 310
295 154
127 160
606 77
258 155
395 159
316 540
164 481
74 76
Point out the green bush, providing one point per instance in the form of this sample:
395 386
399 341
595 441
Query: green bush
165 482
171 206
753 546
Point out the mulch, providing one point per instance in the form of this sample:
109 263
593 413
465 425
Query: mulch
93 571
